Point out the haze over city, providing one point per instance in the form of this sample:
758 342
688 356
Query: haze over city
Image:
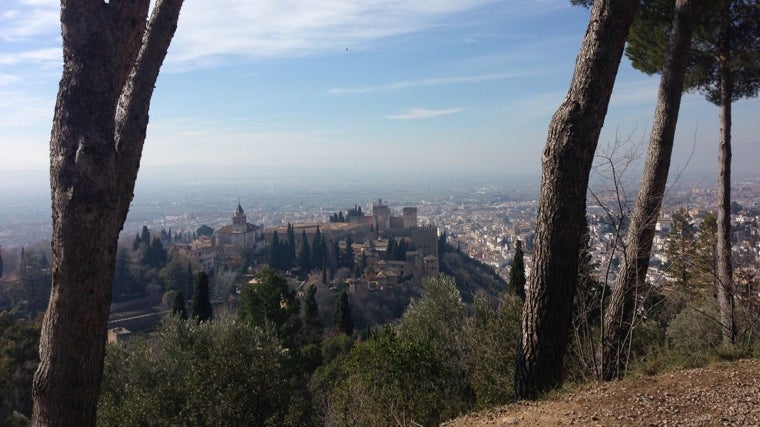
305 89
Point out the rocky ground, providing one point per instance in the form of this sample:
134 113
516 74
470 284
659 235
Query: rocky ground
725 394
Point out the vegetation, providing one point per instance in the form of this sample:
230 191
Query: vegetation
201 301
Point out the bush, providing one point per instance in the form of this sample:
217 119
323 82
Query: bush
491 352
695 332
197 375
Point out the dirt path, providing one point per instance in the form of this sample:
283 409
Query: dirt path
725 394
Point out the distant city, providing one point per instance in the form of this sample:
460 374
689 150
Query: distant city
483 219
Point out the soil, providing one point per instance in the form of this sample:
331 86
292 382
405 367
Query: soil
724 394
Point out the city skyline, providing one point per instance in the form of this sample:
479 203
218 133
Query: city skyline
411 87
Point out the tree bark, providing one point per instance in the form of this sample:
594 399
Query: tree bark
725 284
111 62
618 319
567 158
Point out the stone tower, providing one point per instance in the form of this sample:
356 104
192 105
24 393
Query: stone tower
382 215
239 221
410 217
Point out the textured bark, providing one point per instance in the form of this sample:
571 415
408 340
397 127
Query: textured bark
111 62
567 158
724 267
618 319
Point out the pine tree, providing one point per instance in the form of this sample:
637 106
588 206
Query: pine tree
342 321
681 249
201 301
179 308
517 272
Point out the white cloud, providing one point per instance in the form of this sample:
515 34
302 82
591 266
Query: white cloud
28 19
210 31
423 113
434 81
45 57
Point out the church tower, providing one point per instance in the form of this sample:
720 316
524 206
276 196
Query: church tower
239 221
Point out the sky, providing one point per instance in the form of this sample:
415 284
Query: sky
397 87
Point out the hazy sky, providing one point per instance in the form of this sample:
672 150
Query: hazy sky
403 86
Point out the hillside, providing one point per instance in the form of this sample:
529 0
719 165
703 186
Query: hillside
719 394
472 276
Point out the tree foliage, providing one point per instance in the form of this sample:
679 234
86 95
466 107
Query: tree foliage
342 321
270 302
18 360
216 372
517 272
201 310
125 283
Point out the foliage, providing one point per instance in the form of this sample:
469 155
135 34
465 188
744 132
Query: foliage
648 38
472 276
215 372
342 321
179 307
177 274
204 230
393 381
440 319
125 283
494 337
517 272
304 256
154 255
695 330
18 359
269 301
201 301
312 326
34 279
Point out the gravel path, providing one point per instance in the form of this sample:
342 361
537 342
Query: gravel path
725 394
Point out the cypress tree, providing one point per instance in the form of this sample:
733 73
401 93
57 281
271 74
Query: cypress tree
136 243
201 299
179 308
304 257
1 261
291 250
312 327
274 252
145 236
342 321
517 272
390 252
318 247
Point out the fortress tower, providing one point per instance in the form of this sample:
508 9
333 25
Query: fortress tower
410 217
382 216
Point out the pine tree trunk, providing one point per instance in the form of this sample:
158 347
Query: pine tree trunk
618 319
571 143
725 284
95 147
